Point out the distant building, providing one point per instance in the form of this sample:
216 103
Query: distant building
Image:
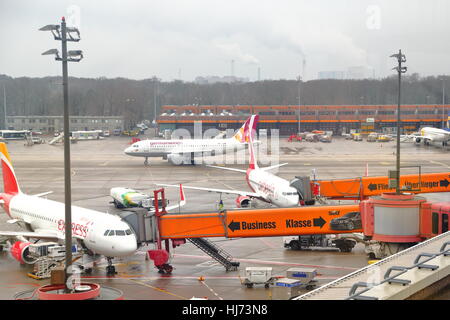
216 79
336 118
49 124
331 75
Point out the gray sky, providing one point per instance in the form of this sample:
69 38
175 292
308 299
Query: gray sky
138 39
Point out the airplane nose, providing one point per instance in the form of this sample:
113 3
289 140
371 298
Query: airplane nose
127 246
128 150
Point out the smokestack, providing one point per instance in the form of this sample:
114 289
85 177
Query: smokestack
232 68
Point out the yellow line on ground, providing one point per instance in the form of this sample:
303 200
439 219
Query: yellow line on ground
158 289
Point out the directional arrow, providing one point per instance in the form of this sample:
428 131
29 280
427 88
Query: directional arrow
444 183
319 222
234 225
372 186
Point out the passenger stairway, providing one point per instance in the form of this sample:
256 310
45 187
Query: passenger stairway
216 253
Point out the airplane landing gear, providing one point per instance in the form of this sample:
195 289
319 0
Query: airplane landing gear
110 269
165 268
146 161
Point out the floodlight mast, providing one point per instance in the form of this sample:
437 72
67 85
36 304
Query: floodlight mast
400 59
62 36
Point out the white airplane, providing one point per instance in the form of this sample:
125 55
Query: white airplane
430 135
130 198
179 152
97 232
266 186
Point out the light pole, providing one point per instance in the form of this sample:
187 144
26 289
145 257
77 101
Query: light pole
400 59
63 33
299 78
443 103
4 104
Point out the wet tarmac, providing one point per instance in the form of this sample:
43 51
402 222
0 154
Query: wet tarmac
98 166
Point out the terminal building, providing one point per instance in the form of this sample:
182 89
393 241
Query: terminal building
50 124
338 119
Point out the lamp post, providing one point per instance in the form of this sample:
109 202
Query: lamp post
400 59
443 103
63 33
299 78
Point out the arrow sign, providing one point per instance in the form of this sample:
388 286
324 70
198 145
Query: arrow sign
444 183
319 222
372 187
234 225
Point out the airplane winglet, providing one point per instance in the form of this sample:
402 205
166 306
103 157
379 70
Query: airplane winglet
182 197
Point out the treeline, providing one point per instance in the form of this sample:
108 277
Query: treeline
136 99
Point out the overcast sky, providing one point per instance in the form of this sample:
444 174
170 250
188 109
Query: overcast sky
188 38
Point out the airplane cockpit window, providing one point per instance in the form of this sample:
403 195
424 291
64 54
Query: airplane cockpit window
106 233
135 146
111 233
128 232
120 232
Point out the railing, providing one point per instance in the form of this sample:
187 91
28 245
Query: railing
353 295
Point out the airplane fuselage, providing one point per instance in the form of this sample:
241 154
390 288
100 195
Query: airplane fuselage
272 188
89 226
161 148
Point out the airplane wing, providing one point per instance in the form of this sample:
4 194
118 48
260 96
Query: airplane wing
274 166
39 234
241 193
225 168
42 194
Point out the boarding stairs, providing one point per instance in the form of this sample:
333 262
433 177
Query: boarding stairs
216 253
57 139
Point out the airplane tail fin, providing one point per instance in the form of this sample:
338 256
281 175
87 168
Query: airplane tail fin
248 129
253 162
10 184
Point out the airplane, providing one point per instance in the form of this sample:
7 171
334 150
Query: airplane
179 152
266 186
98 233
429 135
130 198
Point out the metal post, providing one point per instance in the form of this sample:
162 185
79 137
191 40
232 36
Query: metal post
67 184
443 104
299 102
398 124
4 104
400 58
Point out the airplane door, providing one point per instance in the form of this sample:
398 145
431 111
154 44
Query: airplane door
146 147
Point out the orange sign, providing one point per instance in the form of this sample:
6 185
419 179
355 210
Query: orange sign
372 186
263 222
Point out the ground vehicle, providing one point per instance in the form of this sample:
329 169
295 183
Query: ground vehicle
372 137
258 275
349 221
294 137
319 241
13 134
325 138
357 137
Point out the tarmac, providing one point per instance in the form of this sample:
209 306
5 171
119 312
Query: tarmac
99 165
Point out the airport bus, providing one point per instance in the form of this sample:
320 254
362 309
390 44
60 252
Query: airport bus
13 134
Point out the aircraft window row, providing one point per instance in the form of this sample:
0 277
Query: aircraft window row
117 232
35 215
289 193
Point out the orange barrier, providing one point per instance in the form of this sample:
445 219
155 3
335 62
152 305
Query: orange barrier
256 222
364 187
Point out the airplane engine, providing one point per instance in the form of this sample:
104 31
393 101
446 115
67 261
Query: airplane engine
20 252
179 159
243 202
418 140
